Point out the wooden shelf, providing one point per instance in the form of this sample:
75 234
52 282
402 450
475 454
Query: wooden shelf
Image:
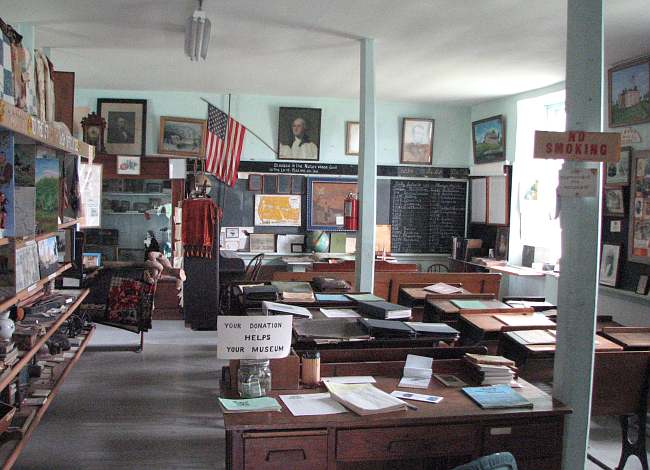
10 374
70 223
4 305
17 120
19 445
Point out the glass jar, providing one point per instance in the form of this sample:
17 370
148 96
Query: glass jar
254 378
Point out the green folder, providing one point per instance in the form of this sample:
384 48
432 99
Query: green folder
249 405
468 304
364 297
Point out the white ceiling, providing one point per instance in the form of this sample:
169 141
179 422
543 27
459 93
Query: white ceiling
443 51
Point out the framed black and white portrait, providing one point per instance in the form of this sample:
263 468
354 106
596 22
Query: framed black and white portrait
299 133
125 125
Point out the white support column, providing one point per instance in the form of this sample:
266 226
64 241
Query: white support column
365 258
580 221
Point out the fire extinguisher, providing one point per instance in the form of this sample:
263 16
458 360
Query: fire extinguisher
351 212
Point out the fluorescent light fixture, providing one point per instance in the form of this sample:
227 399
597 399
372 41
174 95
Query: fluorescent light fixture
197 34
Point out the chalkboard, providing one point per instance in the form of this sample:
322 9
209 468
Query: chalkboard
425 215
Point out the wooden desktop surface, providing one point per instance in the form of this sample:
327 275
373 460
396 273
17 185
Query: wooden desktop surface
630 338
490 323
601 344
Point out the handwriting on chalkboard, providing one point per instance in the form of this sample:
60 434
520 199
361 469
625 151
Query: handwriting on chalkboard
425 215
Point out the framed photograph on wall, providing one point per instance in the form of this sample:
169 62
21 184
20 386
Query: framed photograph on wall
639 222
417 141
351 138
284 184
255 182
325 198
126 125
609 265
181 136
619 173
262 242
501 243
489 140
614 202
629 91
299 133
127 165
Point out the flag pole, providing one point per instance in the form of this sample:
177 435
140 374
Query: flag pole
247 128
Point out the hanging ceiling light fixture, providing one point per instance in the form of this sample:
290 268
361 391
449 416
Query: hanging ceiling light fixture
197 34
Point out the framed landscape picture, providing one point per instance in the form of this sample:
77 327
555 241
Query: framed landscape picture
609 265
127 165
299 133
181 136
417 141
489 140
629 93
125 125
639 222
325 198
619 173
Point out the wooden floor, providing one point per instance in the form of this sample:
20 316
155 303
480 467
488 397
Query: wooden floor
157 410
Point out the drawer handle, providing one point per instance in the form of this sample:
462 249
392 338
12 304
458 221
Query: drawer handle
405 445
284 453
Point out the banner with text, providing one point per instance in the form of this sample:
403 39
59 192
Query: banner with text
578 145
254 337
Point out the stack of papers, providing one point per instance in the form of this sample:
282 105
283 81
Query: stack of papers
339 313
249 405
417 372
364 399
270 308
312 404
536 319
351 379
442 288
535 336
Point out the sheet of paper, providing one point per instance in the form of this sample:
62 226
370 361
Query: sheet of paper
312 404
339 313
414 382
351 379
416 396
442 288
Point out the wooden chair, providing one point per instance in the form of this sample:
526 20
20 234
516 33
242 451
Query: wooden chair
437 268
253 269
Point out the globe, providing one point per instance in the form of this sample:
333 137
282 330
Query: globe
318 241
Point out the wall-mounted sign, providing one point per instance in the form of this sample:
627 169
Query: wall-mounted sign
630 136
254 337
578 182
578 145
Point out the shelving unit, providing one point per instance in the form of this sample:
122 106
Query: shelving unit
10 450
4 305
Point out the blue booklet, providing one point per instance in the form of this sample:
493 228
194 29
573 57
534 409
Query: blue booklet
331 298
497 396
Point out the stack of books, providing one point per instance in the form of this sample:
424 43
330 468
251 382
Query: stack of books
8 354
294 291
491 370
399 329
364 399
384 310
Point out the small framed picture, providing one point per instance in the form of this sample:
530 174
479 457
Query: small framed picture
298 184
255 183
128 165
642 286
417 141
297 248
270 184
352 138
619 173
489 140
91 260
614 202
284 184
629 85
609 265
501 243
262 242
181 136
126 124
232 232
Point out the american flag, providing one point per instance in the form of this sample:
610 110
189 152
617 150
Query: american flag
222 152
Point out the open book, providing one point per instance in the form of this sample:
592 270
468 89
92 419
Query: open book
364 399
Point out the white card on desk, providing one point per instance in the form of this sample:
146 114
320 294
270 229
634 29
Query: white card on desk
416 396
414 382
351 379
418 366
339 313
312 404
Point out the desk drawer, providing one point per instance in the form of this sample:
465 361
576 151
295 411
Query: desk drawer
533 441
306 450
406 442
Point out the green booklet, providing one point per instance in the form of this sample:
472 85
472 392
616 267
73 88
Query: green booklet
497 396
249 405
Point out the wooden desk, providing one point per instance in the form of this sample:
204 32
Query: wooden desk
444 310
630 338
443 435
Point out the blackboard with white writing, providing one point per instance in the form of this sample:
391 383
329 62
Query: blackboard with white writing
425 215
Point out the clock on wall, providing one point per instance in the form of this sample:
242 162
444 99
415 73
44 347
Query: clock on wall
93 131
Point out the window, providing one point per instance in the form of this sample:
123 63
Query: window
535 181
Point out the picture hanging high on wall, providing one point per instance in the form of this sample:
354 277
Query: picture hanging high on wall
325 200
181 136
299 133
629 93
489 140
125 125
417 141
352 138
639 223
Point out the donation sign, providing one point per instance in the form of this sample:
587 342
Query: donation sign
578 145
255 337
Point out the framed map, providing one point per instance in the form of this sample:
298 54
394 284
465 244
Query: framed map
325 198
277 210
